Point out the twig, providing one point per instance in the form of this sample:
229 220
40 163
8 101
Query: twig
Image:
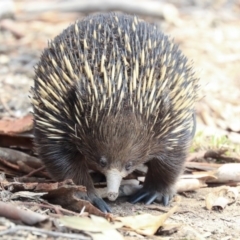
34 171
14 156
49 233
147 8
50 206
29 217
21 162
8 164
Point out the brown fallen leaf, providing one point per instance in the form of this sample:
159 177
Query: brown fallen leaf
52 186
12 212
14 126
220 198
62 193
145 224
18 186
66 195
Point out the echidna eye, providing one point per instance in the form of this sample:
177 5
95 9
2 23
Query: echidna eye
128 166
103 162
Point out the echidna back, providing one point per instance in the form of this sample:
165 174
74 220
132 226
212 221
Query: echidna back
111 64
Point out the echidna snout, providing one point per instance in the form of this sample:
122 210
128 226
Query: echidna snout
114 179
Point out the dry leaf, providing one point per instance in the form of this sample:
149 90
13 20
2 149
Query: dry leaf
229 172
27 195
97 227
61 193
67 195
145 224
184 185
222 197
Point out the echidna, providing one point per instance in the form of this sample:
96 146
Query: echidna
112 92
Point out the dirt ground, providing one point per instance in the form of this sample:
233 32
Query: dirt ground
208 33
197 222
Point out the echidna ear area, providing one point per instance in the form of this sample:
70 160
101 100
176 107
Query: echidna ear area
109 63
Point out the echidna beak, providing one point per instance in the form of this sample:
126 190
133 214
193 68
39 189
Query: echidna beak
114 179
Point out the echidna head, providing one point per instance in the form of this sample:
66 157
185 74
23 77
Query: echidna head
115 147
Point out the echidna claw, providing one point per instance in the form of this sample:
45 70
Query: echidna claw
165 200
149 197
101 204
137 197
95 200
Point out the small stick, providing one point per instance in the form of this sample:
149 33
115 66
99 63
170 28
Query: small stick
43 231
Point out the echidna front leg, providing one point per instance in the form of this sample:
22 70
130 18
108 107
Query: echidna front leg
160 181
63 162
80 175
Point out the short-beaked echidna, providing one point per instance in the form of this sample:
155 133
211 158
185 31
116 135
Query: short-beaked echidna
112 92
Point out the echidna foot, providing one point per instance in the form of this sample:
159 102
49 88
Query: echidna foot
95 200
148 197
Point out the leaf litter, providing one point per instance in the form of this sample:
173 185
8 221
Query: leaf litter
205 169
